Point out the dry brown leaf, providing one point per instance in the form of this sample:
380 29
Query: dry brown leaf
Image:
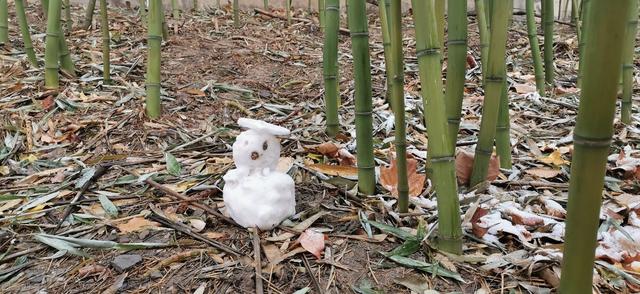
195 92
555 158
464 167
524 88
333 150
328 148
545 173
214 235
313 242
335 170
524 218
476 228
471 62
389 176
136 224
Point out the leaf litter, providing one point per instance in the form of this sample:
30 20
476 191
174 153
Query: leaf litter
213 74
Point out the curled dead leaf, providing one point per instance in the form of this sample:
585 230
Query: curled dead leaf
313 242
555 158
464 167
389 176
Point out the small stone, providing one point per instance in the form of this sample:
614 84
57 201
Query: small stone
125 261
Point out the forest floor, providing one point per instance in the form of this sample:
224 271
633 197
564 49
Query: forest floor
213 74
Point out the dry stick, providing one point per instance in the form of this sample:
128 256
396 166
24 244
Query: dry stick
178 196
100 170
258 261
316 284
264 12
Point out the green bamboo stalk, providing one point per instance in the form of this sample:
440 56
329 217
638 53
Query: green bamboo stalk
574 18
45 7
321 14
346 4
330 67
547 19
142 9
440 148
358 26
483 29
266 4
52 46
153 107
456 65
195 6
440 10
503 140
66 63
68 22
175 9
395 33
535 47
583 40
88 14
628 64
386 42
106 40
493 90
287 4
592 140
26 35
236 14
309 6
165 26
4 22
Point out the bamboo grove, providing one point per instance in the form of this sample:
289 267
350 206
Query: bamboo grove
606 47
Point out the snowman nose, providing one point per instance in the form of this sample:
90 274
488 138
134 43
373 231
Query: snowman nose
254 155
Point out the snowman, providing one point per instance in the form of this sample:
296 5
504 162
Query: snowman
255 193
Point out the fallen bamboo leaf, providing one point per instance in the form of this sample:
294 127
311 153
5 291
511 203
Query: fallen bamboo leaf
426 267
136 224
464 167
344 171
545 173
555 158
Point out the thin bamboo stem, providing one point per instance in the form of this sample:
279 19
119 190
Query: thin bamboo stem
583 38
66 63
266 4
26 35
330 67
535 46
494 84
383 6
52 46
440 10
142 9
547 19
321 14
592 141
175 9
441 152
68 22
88 14
358 26
503 140
456 65
287 4
45 7
395 32
236 14
4 22
627 62
575 19
153 106
106 40
483 29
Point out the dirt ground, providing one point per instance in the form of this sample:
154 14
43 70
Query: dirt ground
213 74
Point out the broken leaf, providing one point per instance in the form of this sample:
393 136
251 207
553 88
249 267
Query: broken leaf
313 242
464 167
136 224
389 176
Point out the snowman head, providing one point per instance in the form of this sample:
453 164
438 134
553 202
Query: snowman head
258 147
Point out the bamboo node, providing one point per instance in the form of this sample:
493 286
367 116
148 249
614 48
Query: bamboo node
332 8
442 159
364 113
51 67
457 42
51 34
591 142
495 79
366 166
153 37
360 34
152 85
485 152
453 120
428 51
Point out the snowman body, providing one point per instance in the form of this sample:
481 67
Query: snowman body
255 193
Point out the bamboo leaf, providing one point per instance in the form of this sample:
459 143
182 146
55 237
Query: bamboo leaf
61 245
392 230
407 248
108 206
426 267
173 166
86 176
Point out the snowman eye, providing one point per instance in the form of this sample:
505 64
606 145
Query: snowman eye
265 145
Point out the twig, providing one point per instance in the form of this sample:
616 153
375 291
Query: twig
533 184
258 262
263 12
194 141
178 196
100 170
316 284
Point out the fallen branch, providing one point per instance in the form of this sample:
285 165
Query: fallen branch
273 15
100 170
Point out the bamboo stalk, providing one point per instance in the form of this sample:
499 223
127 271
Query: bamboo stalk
535 46
236 14
52 46
592 141
45 7
153 107
483 29
68 22
175 9
494 83
195 6
574 18
106 40
440 149
440 10
4 22
383 7
627 62
266 4
583 39
395 33
26 35
66 63
456 65
142 9
88 14
547 19
503 140
165 27
321 14
330 67
358 26
287 4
